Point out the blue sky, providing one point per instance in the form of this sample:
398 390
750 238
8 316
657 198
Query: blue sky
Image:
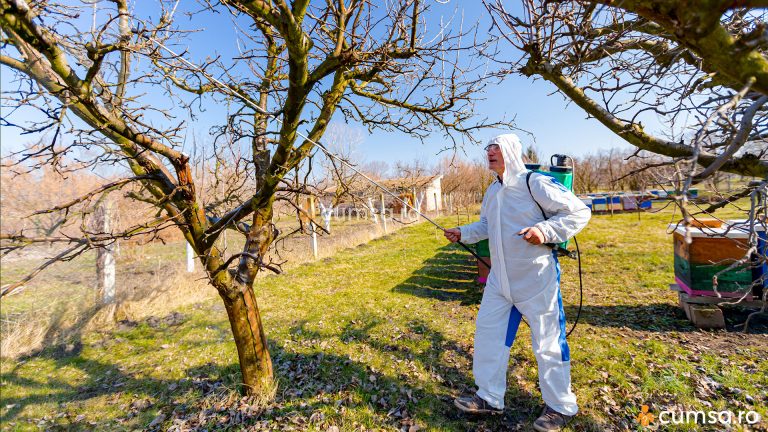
557 126
554 125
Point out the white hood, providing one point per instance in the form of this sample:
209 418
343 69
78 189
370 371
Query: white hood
512 150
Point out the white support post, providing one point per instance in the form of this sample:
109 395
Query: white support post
327 212
105 258
372 210
312 227
190 258
383 214
419 200
313 231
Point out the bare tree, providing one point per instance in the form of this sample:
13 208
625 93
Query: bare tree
382 64
532 153
343 142
376 169
411 171
700 70
587 175
23 192
619 169
464 181
686 80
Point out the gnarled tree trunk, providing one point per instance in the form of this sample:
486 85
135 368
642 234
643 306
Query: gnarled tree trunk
251 342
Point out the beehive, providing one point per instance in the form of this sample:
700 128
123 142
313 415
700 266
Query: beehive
759 270
599 203
629 202
711 251
614 203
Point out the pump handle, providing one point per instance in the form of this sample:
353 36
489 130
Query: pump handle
560 160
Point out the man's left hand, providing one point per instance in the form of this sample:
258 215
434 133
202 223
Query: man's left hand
532 235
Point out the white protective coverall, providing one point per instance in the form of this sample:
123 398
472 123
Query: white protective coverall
524 279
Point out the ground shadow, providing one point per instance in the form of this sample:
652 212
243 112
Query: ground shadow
420 391
448 275
315 384
660 317
95 378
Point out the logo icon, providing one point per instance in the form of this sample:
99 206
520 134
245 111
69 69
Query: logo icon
645 418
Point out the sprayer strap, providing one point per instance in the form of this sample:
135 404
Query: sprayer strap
528 183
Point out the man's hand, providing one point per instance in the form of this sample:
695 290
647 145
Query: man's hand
453 234
532 235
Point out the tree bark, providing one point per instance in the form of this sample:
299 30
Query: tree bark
633 133
251 342
236 290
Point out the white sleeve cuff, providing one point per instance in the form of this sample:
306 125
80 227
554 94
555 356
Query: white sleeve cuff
546 231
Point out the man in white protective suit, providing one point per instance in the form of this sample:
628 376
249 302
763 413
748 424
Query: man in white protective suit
524 282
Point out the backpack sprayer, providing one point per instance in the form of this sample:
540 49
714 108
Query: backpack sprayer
559 170
563 173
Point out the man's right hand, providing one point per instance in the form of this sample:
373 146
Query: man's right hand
453 234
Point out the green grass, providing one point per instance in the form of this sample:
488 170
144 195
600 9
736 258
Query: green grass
379 337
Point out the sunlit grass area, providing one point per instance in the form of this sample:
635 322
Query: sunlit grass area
379 337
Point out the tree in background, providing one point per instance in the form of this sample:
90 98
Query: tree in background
376 169
464 181
98 87
23 192
413 170
343 142
532 153
587 175
619 170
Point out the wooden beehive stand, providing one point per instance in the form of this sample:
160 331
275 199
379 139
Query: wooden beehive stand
704 311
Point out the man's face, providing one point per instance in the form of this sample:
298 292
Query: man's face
495 158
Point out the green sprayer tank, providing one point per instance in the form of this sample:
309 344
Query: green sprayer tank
560 172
